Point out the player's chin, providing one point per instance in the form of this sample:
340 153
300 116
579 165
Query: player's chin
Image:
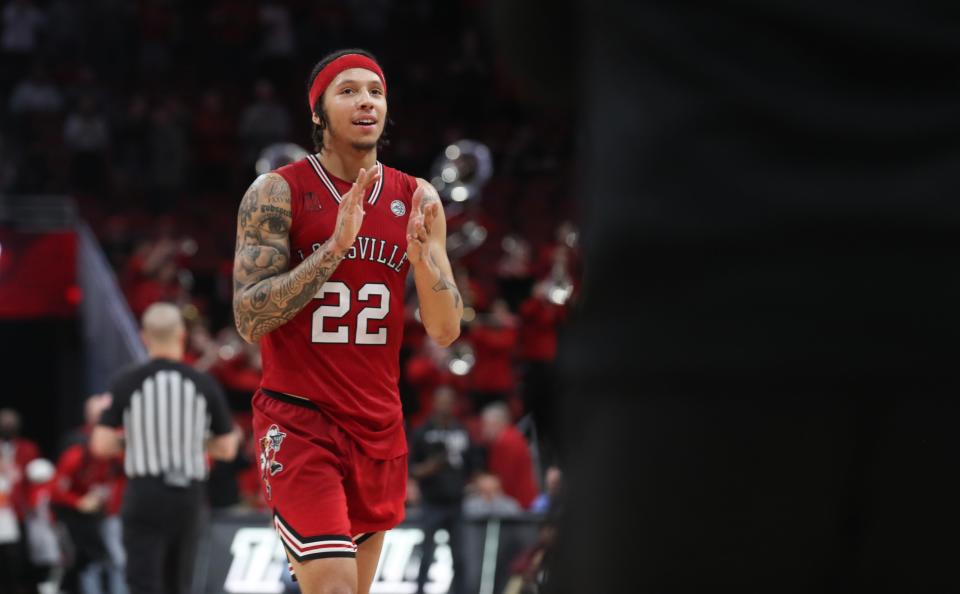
364 144
367 137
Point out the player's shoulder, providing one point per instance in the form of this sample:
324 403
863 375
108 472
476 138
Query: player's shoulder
278 186
399 180
294 175
296 169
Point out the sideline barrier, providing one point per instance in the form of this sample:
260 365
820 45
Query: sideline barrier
241 554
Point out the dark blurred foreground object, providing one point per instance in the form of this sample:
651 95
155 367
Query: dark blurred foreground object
763 370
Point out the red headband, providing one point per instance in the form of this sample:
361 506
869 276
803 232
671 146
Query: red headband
331 70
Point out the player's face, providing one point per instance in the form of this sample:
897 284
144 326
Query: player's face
356 108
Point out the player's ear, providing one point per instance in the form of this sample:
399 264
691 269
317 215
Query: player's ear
316 119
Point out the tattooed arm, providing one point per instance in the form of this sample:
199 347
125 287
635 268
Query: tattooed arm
440 304
266 294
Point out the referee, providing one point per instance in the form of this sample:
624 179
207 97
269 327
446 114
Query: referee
161 417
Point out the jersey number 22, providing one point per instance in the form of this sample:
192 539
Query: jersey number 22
341 334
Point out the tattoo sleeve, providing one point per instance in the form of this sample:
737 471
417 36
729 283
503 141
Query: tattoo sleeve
266 294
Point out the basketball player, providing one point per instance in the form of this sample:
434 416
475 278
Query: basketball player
319 278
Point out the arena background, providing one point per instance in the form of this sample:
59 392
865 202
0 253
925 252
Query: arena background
128 134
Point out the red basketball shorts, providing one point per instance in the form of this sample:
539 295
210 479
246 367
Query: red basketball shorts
327 496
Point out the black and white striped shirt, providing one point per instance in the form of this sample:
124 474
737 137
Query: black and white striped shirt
167 411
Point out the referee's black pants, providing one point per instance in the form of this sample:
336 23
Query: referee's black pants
161 528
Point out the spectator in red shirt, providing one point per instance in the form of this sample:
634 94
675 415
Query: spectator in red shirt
540 318
235 363
425 371
239 366
494 339
508 455
87 490
152 275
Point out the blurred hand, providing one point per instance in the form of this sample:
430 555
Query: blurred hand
435 464
90 503
413 492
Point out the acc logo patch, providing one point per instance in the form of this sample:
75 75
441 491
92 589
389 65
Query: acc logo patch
269 446
398 208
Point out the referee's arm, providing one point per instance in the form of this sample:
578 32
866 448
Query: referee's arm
225 441
106 441
224 447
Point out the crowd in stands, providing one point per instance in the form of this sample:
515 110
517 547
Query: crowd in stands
152 113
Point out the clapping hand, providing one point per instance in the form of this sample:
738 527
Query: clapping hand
350 214
419 226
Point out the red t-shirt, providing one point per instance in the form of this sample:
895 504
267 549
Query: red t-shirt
493 348
538 329
508 457
79 472
342 351
236 374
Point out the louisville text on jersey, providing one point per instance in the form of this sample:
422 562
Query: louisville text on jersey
374 250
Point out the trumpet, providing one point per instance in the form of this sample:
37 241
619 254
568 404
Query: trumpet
558 289
457 358
558 286
461 171
459 174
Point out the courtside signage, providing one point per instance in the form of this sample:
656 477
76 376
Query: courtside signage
258 563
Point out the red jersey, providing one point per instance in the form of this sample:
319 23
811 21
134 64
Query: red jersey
342 351
538 329
508 457
493 347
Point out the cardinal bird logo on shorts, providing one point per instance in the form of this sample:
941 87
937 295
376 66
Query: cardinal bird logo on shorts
269 446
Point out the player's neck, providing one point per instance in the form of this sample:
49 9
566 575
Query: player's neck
346 162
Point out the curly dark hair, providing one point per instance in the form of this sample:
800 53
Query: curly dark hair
316 134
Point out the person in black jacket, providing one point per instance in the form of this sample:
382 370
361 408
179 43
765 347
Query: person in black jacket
442 460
